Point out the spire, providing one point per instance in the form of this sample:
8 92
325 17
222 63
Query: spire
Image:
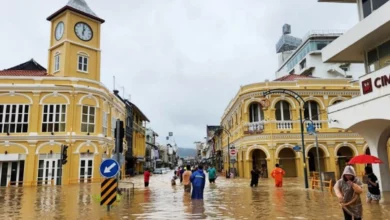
81 5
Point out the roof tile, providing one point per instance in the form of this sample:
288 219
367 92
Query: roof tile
23 73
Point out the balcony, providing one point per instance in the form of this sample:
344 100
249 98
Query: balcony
317 124
254 128
284 125
368 33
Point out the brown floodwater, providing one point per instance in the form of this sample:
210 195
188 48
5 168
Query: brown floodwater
228 199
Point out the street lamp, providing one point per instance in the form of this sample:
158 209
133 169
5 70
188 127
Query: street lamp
311 129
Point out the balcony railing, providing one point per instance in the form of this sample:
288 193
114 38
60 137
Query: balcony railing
317 124
254 128
258 127
284 125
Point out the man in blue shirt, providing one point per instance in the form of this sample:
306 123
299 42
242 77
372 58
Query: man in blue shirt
198 180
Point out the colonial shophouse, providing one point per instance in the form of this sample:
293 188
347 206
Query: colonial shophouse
264 130
40 109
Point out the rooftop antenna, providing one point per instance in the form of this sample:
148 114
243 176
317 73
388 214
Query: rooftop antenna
114 82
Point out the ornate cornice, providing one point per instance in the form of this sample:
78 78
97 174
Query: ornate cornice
296 138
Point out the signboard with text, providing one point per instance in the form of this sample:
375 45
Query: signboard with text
378 82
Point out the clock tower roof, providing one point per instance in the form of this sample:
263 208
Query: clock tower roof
79 6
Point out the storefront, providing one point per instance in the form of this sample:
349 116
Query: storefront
368 115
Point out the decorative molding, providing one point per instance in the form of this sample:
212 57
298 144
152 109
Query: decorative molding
8 144
346 144
87 143
54 94
282 146
315 99
13 93
287 99
259 147
89 96
323 147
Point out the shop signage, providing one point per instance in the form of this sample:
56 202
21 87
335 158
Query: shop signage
379 82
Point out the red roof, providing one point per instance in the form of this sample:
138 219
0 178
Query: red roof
293 77
29 68
23 73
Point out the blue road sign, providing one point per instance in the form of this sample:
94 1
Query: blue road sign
109 168
296 148
310 128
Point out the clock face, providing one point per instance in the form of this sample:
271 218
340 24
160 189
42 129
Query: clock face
83 31
59 30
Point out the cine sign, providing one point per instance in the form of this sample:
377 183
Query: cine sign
379 82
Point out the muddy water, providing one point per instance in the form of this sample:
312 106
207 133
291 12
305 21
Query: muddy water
228 199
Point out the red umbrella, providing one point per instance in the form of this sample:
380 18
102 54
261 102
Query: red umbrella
364 159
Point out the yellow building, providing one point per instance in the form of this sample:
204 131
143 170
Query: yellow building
264 130
139 139
40 109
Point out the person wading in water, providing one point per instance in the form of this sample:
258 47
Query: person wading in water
348 190
278 174
255 177
186 179
198 180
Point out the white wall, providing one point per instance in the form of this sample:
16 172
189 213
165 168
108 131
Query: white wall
321 69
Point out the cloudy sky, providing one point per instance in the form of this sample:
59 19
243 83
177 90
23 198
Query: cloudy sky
182 61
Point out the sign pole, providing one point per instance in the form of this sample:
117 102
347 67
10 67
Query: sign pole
117 143
318 160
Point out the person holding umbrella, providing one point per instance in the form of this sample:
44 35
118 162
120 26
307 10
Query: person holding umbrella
373 193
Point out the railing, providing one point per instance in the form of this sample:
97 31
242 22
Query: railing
259 127
317 124
284 125
254 127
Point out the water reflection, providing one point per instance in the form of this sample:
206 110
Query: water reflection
228 199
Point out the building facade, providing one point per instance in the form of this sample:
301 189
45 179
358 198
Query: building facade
41 110
368 42
135 136
151 154
304 56
264 130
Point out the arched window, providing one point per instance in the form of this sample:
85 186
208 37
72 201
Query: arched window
256 113
282 112
312 111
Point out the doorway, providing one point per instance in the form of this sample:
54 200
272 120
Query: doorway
259 160
49 169
86 167
287 161
344 155
11 173
313 162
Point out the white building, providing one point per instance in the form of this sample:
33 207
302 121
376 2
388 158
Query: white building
304 57
151 154
367 42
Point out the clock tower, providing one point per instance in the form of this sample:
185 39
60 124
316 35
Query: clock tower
75 42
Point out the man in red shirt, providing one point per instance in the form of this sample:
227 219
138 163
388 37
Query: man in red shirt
146 177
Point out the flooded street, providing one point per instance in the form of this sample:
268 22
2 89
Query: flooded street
228 199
